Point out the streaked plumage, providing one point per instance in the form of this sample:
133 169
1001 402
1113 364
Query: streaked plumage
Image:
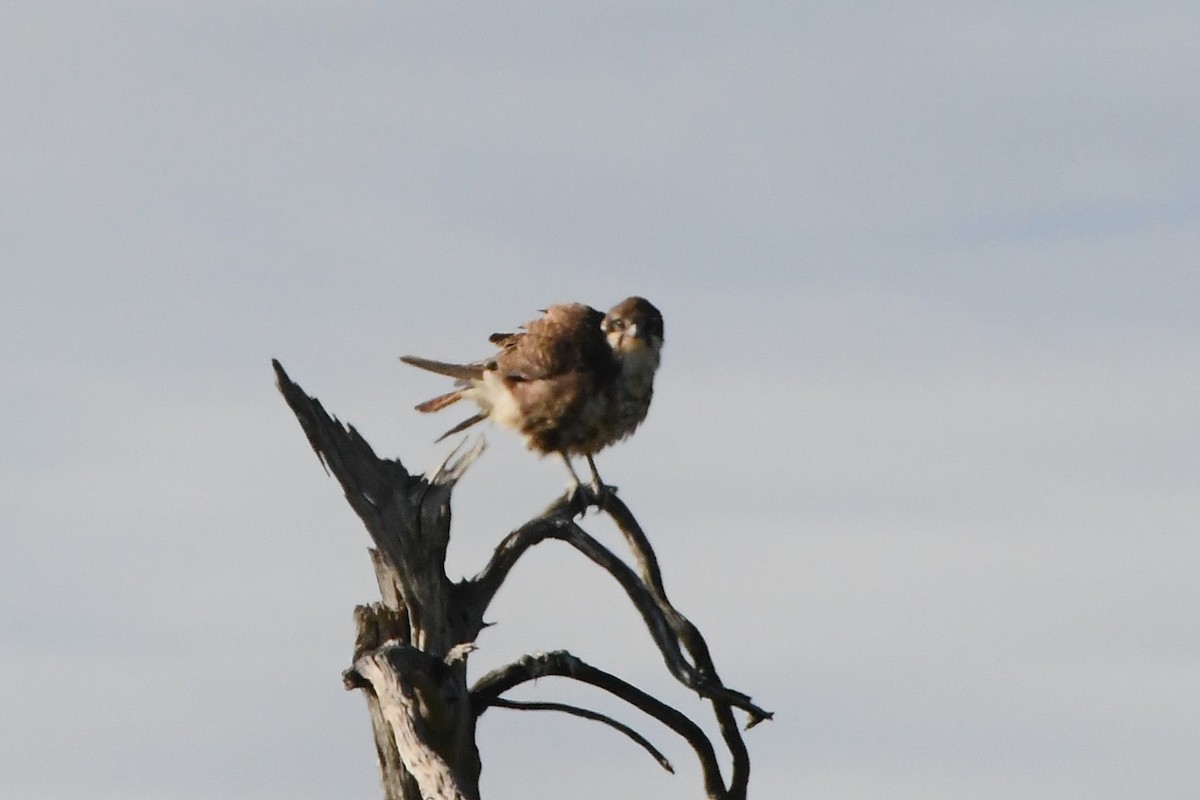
571 382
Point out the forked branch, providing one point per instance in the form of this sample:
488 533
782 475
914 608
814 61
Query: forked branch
671 631
667 626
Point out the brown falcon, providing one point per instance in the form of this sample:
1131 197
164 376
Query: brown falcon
572 382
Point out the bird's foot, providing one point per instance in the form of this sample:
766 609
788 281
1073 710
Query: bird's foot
581 496
600 490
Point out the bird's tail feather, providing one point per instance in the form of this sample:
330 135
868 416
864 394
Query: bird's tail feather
466 372
441 401
462 426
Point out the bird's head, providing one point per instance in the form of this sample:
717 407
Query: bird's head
634 326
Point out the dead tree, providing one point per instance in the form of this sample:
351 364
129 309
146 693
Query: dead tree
411 649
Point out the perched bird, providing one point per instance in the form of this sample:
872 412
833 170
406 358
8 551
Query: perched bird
571 382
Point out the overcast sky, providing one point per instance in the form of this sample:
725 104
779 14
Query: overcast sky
924 457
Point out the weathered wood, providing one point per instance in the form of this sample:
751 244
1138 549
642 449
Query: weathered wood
408 519
411 649
418 703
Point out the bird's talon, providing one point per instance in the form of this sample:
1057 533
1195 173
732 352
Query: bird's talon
582 496
600 492
578 497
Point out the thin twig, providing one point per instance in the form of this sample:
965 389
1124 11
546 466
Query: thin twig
576 711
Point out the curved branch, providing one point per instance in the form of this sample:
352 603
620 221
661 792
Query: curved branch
488 581
596 716
564 529
692 640
488 689
667 626
485 584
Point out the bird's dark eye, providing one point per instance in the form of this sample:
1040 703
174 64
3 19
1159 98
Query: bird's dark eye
618 324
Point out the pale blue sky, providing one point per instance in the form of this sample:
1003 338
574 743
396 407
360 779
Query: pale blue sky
924 460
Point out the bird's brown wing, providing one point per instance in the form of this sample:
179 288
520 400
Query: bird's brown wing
566 339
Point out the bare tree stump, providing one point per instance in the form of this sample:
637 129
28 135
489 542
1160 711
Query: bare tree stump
411 649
